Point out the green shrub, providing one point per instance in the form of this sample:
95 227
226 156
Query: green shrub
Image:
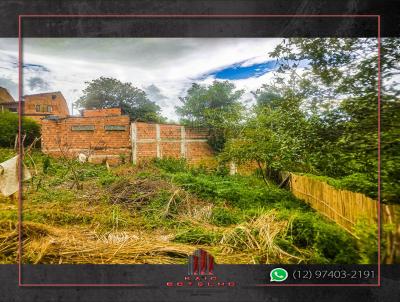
9 129
159 212
362 183
335 244
368 241
198 170
329 243
6 154
107 179
159 203
59 196
171 165
46 163
223 216
243 192
197 235
303 231
116 218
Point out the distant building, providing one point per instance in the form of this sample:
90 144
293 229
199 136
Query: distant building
36 106
6 99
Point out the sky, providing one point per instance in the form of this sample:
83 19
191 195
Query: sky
164 68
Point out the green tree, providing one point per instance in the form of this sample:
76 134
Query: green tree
108 93
9 129
273 134
340 82
216 107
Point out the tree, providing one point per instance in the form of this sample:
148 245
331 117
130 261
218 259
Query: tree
342 75
216 107
108 93
273 135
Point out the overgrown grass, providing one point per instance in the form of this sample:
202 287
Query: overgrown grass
239 199
243 192
193 207
197 235
6 154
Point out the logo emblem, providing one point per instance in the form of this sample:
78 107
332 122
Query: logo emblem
201 273
278 275
201 263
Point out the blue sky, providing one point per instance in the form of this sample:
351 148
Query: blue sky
163 67
239 72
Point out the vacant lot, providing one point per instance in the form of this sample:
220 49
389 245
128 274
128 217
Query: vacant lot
161 211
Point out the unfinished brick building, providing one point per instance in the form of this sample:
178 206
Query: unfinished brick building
36 106
108 135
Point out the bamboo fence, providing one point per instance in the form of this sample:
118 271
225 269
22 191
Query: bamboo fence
346 208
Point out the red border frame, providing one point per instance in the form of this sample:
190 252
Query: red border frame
221 16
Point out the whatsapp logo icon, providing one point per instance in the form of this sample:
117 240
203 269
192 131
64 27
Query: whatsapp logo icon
278 275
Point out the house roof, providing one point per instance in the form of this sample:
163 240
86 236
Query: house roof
5 96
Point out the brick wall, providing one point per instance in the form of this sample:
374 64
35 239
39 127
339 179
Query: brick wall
100 138
102 112
162 140
113 137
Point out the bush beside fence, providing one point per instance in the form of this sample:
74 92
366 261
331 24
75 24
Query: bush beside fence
347 208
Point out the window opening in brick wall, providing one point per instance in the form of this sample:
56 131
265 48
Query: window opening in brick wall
82 128
114 128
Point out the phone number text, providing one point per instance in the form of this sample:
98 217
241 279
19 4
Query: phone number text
333 274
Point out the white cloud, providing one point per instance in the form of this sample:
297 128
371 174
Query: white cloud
171 64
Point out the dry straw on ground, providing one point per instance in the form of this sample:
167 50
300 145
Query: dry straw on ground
44 244
251 242
257 237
